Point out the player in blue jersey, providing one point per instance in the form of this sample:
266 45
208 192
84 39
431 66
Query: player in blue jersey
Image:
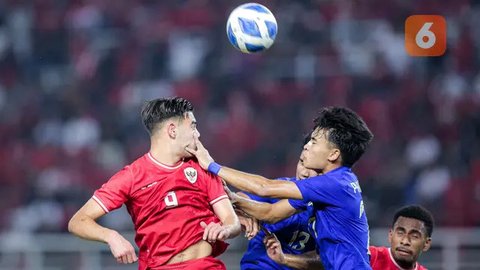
333 198
292 233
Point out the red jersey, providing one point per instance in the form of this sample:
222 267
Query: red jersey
166 204
381 259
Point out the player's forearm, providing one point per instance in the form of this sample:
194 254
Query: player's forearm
244 181
303 262
258 210
85 227
232 224
257 185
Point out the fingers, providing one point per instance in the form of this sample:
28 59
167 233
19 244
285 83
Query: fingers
213 232
255 227
131 256
122 250
127 256
270 240
198 143
191 150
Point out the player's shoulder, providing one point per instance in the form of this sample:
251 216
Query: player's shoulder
140 164
378 251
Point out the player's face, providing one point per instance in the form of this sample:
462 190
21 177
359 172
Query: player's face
303 172
408 239
187 132
318 152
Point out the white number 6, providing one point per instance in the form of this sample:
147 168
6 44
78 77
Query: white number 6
425 32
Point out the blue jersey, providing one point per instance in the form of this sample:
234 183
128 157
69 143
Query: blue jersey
338 219
292 233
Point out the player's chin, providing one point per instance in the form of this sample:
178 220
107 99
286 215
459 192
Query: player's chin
404 257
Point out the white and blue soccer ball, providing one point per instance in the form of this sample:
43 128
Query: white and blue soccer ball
251 28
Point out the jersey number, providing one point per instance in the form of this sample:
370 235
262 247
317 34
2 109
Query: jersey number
302 238
171 199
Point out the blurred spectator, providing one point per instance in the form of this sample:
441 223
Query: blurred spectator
74 74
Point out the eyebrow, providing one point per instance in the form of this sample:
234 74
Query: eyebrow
411 231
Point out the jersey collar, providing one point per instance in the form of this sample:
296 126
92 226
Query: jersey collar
158 163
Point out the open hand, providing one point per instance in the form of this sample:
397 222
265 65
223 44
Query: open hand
202 155
274 249
214 231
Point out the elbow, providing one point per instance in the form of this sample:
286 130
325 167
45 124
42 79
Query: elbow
71 225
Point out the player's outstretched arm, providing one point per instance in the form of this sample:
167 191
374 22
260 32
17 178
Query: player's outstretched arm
83 225
267 212
251 183
306 261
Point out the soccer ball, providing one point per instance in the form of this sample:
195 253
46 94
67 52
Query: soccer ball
251 28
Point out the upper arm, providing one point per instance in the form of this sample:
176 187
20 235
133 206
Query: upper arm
224 211
90 209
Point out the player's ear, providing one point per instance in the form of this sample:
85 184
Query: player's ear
390 236
427 245
334 155
172 130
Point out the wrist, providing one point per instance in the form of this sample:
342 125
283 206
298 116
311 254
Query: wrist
110 235
214 167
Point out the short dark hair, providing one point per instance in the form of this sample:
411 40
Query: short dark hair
416 212
158 110
346 130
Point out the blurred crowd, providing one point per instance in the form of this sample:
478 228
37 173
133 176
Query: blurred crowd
74 74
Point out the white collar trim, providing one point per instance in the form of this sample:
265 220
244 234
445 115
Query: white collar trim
163 165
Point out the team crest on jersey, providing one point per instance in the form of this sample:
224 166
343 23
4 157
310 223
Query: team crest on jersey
190 174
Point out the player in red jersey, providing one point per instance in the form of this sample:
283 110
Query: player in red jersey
409 236
180 212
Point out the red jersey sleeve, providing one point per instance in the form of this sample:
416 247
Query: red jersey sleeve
115 192
373 254
214 186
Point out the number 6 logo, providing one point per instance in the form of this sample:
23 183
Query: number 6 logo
425 35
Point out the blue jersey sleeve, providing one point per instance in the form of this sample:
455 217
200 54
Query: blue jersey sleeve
321 189
260 199
298 204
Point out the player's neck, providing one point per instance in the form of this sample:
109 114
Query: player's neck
331 167
165 154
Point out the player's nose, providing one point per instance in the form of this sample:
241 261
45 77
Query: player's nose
196 133
405 241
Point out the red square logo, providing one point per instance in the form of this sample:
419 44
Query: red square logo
425 35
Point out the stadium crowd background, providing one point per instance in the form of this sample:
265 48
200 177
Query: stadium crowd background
73 75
